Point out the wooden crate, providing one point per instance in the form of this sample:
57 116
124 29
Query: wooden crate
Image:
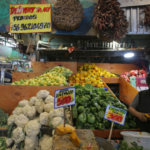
126 91
111 80
115 68
115 133
10 95
41 66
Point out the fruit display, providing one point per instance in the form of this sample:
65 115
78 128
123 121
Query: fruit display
90 74
133 73
28 118
91 103
57 76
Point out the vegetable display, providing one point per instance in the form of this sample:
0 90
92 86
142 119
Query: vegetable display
90 74
89 111
109 20
133 73
3 118
124 146
57 76
27 119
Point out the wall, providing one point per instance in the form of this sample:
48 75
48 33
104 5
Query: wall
85 28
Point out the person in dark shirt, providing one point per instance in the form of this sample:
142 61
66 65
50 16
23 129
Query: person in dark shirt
141 106
8 77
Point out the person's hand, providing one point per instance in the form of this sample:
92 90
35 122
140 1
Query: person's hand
142 117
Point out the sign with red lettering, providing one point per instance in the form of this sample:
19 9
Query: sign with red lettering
115 115
65 97
30 18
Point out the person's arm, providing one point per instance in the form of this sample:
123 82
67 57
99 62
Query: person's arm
134 112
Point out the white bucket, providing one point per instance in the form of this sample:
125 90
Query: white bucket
141 138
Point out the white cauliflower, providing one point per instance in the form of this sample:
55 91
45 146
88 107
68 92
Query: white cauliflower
21 120
29 111
48 107
57 121
17 111
46 142
49 99
11 119
32 101
32 128
39 106
18 135
31 142
42 94
23 103
9 141
56 113
44 118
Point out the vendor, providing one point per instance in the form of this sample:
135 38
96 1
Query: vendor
141 106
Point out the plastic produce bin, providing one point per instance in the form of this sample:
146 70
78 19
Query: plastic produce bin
141 138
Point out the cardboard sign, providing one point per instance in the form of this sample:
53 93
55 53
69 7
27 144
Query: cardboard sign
65 97
30 18
115 115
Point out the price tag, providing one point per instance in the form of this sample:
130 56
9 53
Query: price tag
115 115
65 97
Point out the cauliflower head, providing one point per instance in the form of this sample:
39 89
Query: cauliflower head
29 111
31 142
48 107
44 118
45 143
23 103
32 101
49 99
39 106
56 113
42 94
32 128
17 111
21 120
11 119
9 141
56 121
18 135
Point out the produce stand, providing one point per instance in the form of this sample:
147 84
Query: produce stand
126 91
17 93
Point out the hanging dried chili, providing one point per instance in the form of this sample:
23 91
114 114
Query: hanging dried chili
109 20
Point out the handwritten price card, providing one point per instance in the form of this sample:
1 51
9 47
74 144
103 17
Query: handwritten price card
30 18
115 115
65 97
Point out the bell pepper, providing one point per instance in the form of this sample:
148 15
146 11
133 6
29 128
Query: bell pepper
96 99
87 110
132 124
101 126
79 92
97 106
87 126
80 109
107 124
96 125
74 112
101 114
79 125
82 117
90 118
98 119
93 109
126 126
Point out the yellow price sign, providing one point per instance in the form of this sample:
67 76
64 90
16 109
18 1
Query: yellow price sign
30 18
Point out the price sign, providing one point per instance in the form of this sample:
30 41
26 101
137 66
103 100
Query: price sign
115 115
30 18
65 97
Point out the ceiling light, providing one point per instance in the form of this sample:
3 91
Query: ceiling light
128 55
